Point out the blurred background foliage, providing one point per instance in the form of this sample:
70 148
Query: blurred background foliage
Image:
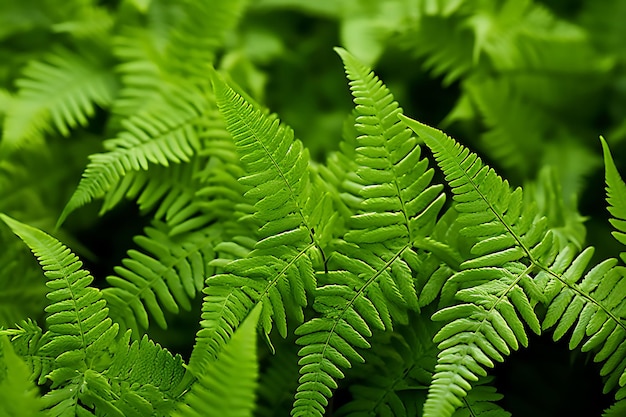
529 85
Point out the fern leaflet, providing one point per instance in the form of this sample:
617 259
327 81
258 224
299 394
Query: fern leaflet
165 135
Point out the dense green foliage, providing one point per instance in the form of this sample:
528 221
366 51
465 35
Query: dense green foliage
375 266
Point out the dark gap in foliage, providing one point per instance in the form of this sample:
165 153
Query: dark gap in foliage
422 97
306 85
110 237
567 9
547 379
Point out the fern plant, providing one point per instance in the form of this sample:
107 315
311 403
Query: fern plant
389 279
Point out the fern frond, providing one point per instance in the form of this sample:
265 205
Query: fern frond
188 196
616 410
371 283
616 197
163 136
227 386
27 342
79 329
279 272
200 32
166 274
495 289
593 307
145 378
482 401
444 43
515 129
61 91
396 374
18 394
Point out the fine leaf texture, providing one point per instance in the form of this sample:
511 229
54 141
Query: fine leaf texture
163 136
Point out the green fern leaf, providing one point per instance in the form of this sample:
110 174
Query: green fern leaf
166 274
163 136
591 308
279 272
60 91
495 289
371 284
481 401
616 197
227 386
145 378
79 330
27 341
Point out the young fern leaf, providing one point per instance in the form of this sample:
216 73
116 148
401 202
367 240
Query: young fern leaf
227 386
165 135
61 92
278 273
79 329
370 285
616 197
495 291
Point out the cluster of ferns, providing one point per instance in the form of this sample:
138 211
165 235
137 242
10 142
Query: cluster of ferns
401 271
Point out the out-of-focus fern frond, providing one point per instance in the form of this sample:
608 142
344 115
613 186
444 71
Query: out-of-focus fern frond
18 395
162 136
60 91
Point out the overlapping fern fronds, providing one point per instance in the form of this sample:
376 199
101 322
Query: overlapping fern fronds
166 274
62 91
145 378
291 216
494 290
163 136
589 306
370 284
